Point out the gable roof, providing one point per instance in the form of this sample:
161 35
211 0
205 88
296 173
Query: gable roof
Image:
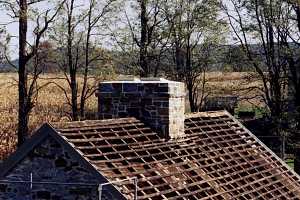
217 159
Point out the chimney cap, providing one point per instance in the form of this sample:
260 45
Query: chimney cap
154 79
139 80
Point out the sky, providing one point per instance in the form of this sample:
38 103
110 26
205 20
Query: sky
12 28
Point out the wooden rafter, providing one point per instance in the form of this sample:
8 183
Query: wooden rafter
217 159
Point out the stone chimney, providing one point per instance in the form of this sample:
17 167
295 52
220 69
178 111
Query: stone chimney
159 103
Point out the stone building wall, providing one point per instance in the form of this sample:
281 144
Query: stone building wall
159 104
51 163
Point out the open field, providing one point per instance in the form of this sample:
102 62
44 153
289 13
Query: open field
241 84
51 106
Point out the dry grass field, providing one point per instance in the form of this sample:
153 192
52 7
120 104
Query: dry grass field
242 84
51 106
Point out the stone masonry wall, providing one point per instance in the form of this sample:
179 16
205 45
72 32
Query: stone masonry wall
50 162
159 104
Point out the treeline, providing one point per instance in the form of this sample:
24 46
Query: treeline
226 58
179 39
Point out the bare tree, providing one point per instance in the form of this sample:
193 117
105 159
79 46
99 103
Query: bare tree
69 44
78 51
291 42
28 88
149 36
263 23
72 66
145 39
95 15
193 25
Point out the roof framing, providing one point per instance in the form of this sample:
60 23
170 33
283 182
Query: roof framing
217 159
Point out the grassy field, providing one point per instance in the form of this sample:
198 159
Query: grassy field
236 83
51 106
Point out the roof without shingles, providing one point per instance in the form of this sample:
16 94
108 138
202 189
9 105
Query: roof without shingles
217 159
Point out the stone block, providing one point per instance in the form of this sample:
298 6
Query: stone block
106 88
157 102
130 87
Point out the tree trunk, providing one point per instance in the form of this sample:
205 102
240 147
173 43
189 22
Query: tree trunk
297 105
189 75
179 63
191 98
82 108
143 44
22 86
74 97
296 74
86 69
297 160
85 76
72 67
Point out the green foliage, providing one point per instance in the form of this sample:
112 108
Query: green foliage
102 67
236 60
260 112
291 163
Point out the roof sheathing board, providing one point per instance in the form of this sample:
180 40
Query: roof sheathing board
218 159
